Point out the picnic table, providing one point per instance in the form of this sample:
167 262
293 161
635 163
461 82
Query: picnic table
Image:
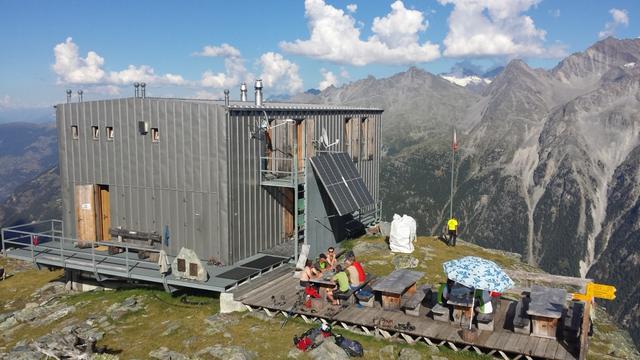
461 298
395 285
324 283
545 309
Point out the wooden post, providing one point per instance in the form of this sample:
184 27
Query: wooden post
584 332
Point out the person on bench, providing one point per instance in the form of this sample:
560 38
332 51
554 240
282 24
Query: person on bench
342 285
331 257
308 273
353 275
443 292
483 302
352 259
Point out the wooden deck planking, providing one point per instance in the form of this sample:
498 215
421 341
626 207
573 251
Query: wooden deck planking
425 326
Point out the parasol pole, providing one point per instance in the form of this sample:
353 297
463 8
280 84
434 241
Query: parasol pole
473 300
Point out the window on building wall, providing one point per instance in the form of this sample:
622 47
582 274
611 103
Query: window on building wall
74 132
347 135
95 132
109 131
155 135
364 138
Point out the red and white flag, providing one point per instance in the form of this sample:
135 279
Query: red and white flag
455 141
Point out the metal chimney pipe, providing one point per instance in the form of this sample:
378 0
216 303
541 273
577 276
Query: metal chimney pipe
79 95
243 92
136 85
69 92
258 87
226 97
143 86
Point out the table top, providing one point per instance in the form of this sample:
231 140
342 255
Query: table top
325 279
398 281
547 302
460 296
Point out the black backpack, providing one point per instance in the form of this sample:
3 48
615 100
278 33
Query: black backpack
351 347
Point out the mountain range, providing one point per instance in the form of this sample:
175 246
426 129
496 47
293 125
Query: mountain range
548 164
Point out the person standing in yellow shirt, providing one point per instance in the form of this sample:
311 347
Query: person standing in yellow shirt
452 226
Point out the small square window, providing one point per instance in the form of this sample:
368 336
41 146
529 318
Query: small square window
155 135
109 131
74 132
95 132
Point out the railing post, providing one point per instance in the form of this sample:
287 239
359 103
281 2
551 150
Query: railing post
4 253
33 256
62 252
93 258
126 259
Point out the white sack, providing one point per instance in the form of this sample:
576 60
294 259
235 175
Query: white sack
402 234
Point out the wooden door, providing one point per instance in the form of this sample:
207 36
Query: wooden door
104 220
287 212
85 204
310 129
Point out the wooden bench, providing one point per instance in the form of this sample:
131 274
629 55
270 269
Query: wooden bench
411 302
572 320
521 320
485 321
440 313
348 295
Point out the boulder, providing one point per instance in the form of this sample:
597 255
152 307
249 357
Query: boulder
130 304
328 350
409 354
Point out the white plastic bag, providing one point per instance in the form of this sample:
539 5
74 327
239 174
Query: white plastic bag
402 234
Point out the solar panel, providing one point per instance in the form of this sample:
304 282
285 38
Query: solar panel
343 182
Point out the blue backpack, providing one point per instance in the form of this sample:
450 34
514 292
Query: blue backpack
351 347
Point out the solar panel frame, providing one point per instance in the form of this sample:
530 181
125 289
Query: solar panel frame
343 182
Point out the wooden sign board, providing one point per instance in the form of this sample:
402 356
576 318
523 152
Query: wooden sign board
601 291
582 297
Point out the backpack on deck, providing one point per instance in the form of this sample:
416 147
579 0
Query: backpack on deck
351 347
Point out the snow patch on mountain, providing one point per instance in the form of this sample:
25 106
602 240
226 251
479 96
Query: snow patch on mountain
464 81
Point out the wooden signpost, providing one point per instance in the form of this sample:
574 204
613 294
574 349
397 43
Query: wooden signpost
594 290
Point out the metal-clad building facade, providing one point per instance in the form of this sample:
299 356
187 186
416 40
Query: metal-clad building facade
201 178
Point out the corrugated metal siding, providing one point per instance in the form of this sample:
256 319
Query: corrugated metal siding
256 215
179 181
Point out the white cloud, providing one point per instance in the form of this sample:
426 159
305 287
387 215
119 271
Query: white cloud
206 95
71 68
279 73
555 13
495 28
235 72
224 50
328 79
618 17
335 37
352 8
5 102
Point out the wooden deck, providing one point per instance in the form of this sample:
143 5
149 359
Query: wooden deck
280 295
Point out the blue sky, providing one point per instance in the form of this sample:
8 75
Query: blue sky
293 45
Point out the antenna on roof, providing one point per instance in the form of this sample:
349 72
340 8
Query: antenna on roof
323 142
69 92
136 86
79 95
143 86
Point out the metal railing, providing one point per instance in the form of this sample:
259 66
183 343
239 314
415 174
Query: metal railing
42 236
280 169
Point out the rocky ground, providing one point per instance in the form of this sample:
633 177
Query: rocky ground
40 318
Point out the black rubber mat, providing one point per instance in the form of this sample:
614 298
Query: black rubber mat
238 273
264 262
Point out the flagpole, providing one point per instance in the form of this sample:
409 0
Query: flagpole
453 157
